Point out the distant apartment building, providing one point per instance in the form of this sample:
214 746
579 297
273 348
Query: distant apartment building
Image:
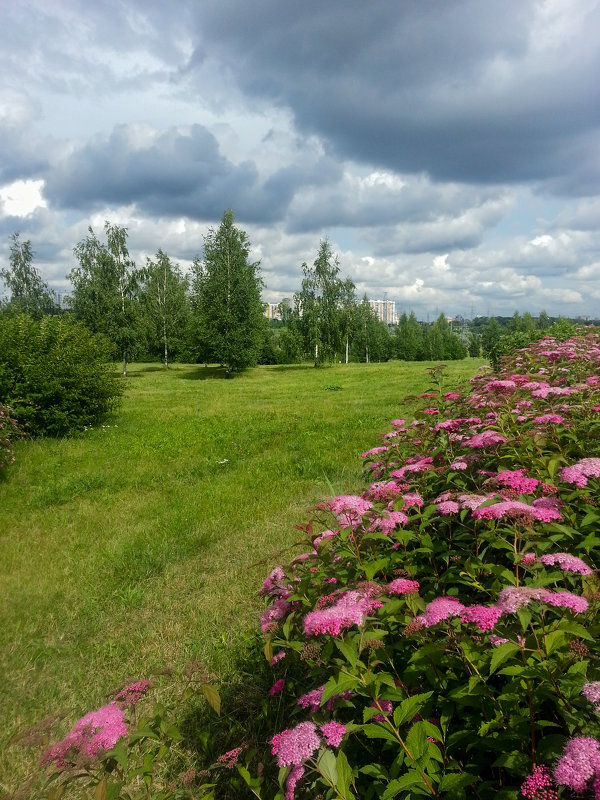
272 311
385 310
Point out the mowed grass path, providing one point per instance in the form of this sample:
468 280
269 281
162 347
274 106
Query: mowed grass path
143 542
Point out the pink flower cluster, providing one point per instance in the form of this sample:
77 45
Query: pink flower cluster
539 785
349 509
440 609
579 763
350 608
580 472
294 746
518 509
93 734
591 692
403 586
131 695
566 562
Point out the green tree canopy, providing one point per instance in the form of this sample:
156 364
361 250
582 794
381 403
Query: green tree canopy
29 294
165 304
227 305
104 294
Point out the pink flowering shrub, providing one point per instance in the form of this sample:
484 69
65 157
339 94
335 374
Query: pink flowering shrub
455 655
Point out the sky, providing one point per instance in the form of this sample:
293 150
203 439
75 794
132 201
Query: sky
449 150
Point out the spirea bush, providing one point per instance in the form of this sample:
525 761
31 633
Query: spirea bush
439 636
54 374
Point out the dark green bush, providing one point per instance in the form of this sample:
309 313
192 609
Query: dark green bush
54 374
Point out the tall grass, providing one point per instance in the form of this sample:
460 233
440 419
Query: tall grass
142 542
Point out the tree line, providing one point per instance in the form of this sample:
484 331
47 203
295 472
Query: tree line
214 313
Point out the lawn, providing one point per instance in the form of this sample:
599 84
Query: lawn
142 542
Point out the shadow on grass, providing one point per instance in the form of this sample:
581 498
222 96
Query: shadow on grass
202 373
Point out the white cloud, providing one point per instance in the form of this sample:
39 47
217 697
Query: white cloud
21 198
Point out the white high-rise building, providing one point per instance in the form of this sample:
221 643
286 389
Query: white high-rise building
385 310
272 311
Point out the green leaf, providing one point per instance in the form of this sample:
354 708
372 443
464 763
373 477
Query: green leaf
407 709
372 568
268 650
338 684
326 764
554 641
416 741
348 650
374 731
212 697
344 771
410 779
456 780
501 653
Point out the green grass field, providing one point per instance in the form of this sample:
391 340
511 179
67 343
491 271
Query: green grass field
143 542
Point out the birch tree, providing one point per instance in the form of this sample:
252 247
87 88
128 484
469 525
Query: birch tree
28 292
164 299
104 289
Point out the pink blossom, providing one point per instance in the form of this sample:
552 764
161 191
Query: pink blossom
96 732
296 745
349 509
503 386
311 699
296 773
591 692
230 758
324 535
485 439
350 609
512 598
579 763
274 582
448 507
277 657
131 695
529 558
412 499
549 419
277 687
517 480
440 609
389 521
566 562
451 396
575 602
273 614
581 471
497 640
515 508
333 733
539 785
374 451
485 617
459 464
398 423
422 465
403 586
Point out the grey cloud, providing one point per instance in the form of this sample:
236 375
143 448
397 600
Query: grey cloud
173 173
464 91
